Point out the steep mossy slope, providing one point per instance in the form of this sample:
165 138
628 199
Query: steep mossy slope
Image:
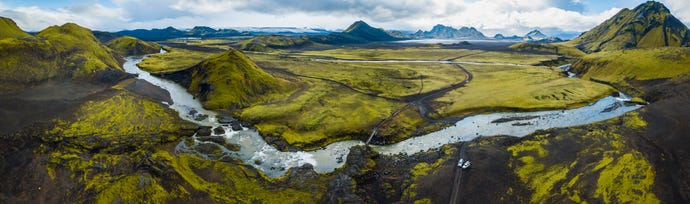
228 80
127 46
620 68
58 52
9 29
80 49
648 25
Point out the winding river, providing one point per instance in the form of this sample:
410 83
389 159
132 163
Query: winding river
274 163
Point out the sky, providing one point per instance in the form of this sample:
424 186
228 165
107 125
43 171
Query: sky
509 17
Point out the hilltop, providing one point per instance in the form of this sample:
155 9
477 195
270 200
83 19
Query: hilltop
58 52
127 46
365 31
648 25
535 35
227 80
9 29
446 32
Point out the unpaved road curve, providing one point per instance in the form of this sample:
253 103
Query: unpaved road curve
421 101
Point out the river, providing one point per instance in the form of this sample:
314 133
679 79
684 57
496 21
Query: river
256 152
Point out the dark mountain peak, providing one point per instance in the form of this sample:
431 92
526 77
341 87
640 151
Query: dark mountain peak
358 25
652 6
535 32
204 28
365 31
440 26
169 28
535 35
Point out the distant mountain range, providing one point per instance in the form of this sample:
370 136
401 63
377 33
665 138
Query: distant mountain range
446 32
358 32
532 36
208 32
648 25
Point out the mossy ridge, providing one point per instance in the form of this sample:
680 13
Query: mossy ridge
564 48
600 155
620 67
649 25
237 183
127 46
88 54
121 115
231 80
264 43
519 88
9 29
58 52
321 114
107 144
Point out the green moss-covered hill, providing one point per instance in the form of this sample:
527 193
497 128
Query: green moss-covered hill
9 29
127 46
264 43
648 25
58 52
227 80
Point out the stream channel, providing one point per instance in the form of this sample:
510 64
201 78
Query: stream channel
256 152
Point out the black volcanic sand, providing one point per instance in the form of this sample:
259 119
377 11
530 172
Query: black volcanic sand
44 102
667 140
146 89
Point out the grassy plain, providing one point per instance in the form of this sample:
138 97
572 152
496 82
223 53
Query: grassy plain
413 53
505 88
174 60
431 54
392 80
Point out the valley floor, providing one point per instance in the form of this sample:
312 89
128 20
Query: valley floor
120 143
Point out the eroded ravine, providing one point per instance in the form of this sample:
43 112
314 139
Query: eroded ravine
256 152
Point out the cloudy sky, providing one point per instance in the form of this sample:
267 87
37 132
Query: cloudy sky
489 16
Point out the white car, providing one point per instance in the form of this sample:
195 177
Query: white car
466 165
462 163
